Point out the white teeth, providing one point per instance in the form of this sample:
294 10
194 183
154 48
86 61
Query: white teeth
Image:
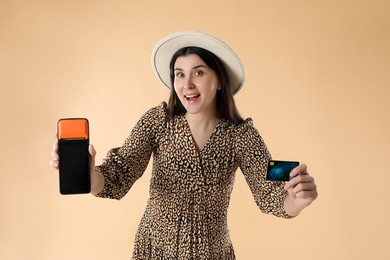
192 96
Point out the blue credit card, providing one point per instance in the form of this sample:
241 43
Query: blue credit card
280 170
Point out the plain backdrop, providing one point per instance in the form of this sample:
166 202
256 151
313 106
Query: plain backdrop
317 88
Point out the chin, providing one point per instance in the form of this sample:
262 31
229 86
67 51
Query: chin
192 111
191 108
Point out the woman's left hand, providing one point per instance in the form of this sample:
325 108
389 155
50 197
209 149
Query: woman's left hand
302 190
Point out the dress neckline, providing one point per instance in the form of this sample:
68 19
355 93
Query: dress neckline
209 139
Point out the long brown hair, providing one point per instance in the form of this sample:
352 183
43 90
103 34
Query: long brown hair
226 107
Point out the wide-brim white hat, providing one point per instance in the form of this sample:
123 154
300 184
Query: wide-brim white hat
167 47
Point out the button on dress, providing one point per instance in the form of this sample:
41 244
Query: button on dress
186 213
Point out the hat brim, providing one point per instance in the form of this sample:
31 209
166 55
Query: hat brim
167 47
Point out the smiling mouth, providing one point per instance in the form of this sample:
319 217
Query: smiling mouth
192 97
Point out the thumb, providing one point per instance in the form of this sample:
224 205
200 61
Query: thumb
92 153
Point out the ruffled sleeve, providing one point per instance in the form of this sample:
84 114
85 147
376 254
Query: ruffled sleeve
126 164
253 159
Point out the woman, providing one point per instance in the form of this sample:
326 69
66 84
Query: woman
198 140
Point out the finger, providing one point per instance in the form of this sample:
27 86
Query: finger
92 153
304 190
55 145
54 164
92 150
55 156
297 180
54 152
299 170
311 195
301 187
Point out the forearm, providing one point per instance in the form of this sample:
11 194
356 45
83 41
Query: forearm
97 182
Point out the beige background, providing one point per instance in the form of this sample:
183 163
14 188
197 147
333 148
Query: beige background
317 88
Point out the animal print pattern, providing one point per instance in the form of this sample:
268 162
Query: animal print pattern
186 213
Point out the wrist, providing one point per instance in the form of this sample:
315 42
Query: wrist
290 207
97 182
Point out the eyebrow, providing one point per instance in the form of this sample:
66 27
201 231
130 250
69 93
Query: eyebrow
194 68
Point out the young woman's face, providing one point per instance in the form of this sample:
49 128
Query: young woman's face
195 84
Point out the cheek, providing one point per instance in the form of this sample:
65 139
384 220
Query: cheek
178 91
176 88
176 84
215 87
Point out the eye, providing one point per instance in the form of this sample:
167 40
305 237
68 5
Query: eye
198 73
179 75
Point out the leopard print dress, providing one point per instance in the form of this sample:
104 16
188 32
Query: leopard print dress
186 213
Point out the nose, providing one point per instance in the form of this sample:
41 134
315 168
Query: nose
189 83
